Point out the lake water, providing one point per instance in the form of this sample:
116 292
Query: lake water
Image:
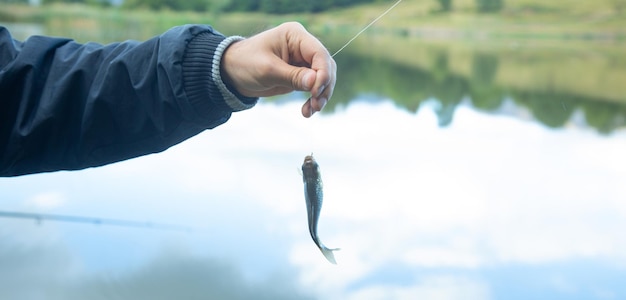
453 169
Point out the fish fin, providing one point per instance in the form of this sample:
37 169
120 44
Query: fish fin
328 253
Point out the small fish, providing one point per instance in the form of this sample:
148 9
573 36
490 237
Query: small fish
314 197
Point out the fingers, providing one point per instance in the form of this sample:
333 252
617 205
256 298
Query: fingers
320 83
304 51
307 110
281 73
281 60
311 106
325 69
321 90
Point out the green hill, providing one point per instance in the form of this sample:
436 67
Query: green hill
518 18
534 18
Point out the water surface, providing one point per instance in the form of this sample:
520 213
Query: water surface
454 170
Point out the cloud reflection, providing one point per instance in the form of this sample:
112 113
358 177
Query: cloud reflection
478 210
46 272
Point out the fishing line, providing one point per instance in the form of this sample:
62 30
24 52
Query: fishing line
366 27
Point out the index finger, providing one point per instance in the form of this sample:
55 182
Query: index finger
322 90
315 56
323 64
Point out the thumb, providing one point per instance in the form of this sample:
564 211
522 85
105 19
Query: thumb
299 78
306 80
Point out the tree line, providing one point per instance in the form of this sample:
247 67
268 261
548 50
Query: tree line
481 5
265 6
290 6
411 86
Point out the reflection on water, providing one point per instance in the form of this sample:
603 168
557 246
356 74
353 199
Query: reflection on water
436 186
560 82
487 79
491 207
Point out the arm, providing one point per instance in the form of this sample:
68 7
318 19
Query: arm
67 106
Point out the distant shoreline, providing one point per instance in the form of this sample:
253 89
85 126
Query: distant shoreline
413 19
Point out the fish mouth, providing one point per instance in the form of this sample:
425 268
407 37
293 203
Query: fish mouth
309 167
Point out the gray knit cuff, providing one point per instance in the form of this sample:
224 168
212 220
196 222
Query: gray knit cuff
234 100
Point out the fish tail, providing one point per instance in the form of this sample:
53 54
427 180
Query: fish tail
328 253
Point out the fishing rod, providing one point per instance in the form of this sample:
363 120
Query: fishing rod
39 218
367 26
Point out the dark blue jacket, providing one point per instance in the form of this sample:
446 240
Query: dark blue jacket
69 106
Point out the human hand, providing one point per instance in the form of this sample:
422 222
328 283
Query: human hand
278 61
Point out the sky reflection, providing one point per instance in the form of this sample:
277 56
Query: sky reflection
491 207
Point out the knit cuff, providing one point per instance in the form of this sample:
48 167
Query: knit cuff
234 99
204 87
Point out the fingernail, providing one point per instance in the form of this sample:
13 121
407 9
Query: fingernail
322 102
307 109
320 90
306 79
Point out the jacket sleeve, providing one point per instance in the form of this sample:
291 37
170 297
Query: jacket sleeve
69 106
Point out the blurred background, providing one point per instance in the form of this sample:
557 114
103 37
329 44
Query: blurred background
473 149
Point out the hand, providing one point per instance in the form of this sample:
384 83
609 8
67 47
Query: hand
281 60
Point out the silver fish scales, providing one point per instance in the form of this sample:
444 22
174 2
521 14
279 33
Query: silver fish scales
313 195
